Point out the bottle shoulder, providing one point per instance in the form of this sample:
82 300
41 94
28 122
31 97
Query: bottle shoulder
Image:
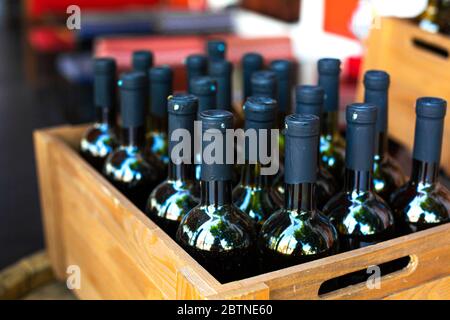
388 171
427 203
98 140
127 164
364 213
171 200
292 233
216 228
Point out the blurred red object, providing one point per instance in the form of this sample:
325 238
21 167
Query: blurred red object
352 68
174 50
37 8
338 15
51 39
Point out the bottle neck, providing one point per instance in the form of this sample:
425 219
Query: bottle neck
156 124
358 181
181 172
105 116
133 136
381 145
251 177
329 124
424 172
216 193
300 197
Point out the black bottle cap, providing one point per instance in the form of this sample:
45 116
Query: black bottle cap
253 60
260 109
216 120
220 68
197 61
133 98
431 107
329 66
308 95
160 88
264 83
376 83
181 103
161 73
376 80
182 109
104 82
283 68
216 49
301 145
360 146
142 60
203 86
429 129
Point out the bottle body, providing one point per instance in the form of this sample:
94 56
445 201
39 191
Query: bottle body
97 143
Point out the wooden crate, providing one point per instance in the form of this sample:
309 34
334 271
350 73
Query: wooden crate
419 65
122 254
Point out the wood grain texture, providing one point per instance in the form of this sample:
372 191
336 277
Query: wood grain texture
123 255
415 73
434 290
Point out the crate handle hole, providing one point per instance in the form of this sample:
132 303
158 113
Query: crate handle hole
366 275
430 47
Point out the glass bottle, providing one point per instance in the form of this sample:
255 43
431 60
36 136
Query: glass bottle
360 216
423 202
126 166
100 139
221 71
171 200
196 66
216 233
250 63
387 173
254 194
298 232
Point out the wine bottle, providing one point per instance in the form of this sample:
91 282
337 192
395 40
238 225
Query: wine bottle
196 66
216 50
170 201
126 166
309 100
251 62
254 194
360 216
331 142
387 173
444 17
284 71
205 89
298 232
423 202
216 233
161 88
264 83
100 139
221 71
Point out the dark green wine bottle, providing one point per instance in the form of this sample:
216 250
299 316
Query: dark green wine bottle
100 139
284 71
387 174
126 166
161 87
250 63
309 100
216 233
423 202
221 71
298 232
205 89
196 66
216 49
254 194
360 216
332 146
170 201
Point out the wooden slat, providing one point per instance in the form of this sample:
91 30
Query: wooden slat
435 290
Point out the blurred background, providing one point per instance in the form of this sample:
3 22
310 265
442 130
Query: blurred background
46 72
